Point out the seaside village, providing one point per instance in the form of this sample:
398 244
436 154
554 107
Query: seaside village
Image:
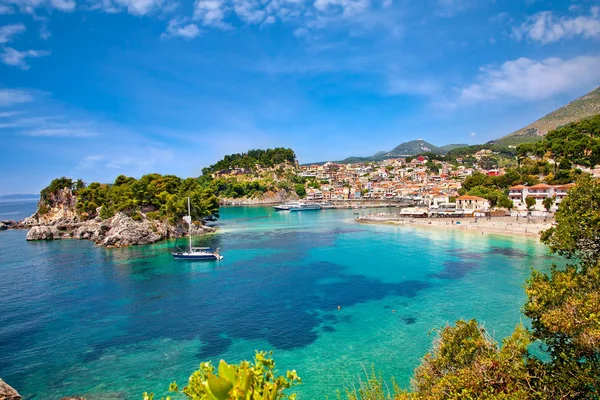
409 181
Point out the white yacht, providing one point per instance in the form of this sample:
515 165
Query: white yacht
305 207
195 253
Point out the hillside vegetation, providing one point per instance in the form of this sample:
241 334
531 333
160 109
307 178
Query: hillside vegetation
255 174
576 143
252 160
584 107
162 197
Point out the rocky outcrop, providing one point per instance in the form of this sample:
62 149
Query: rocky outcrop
7 392
7 224
118 231
280 196
43 233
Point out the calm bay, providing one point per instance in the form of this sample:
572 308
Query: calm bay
76 319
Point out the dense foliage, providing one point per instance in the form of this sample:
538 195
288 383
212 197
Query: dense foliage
158 196
495 188
249 160
253 174
577 232
246 381
577 143
469 150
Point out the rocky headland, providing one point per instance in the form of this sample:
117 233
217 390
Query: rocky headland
58 219
7 392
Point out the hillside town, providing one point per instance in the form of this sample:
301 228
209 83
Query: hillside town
434 191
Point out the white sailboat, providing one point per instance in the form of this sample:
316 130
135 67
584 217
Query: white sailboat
195 253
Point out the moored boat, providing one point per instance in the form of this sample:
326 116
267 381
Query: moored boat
195 253
305 207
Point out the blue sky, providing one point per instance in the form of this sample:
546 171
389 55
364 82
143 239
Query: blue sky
97 88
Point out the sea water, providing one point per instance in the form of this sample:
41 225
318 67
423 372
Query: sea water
331 297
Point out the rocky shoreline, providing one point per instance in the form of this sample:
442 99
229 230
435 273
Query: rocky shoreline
268 198
118 231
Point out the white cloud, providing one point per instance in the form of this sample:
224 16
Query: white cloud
17 58
27 6
500 17
348 7
211 12
249 11
268 21
528 80
134 7
9 97
300 32
7 32
178 28
5 9
63 5
8 114
60 132
90 162
473 134
545 28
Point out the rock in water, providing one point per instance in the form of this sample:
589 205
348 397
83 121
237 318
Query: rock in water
73 398
42 232
7 392
3 227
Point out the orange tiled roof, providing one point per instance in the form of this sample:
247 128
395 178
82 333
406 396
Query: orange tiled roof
466 197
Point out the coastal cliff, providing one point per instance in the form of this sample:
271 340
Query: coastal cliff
117 215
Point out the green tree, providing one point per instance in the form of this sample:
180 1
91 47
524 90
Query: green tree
577 231
246 381
529 202
466 363
300 190
548 202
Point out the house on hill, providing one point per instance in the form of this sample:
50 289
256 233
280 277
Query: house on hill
472 203
539 192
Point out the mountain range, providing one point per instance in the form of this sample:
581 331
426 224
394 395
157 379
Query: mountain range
405 149
584 107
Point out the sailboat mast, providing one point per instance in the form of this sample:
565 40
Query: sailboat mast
190 217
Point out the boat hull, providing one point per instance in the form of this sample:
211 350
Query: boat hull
296 209
202 257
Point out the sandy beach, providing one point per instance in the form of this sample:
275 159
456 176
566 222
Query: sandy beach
509 226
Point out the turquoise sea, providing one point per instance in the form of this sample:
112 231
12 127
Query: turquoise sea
76 319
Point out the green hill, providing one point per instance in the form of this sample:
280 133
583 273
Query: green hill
584 107
414 147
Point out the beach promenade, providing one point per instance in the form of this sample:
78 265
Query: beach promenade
510 226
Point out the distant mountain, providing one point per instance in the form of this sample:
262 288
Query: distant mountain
584 107
414 147
405 149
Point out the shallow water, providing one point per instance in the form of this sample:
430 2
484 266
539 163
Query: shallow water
76 319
